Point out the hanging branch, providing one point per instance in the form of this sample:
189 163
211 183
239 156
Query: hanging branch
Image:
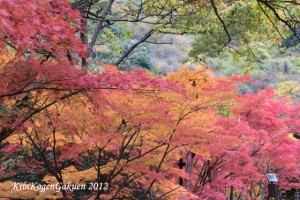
286 22
223 24
273 24
143 39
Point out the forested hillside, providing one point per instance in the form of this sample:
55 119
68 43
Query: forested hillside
272 62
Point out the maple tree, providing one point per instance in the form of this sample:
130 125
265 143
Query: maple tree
258 143
60 124
132 140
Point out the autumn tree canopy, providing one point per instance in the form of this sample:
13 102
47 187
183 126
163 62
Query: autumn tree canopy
119 134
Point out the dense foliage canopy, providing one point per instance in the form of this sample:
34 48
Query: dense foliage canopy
120 134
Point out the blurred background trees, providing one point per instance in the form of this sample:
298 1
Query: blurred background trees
261 37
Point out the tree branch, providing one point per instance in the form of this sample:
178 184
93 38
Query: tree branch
286 22
99 25
143 39
222 22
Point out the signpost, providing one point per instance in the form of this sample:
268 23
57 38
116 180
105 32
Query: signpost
188 164
181 164
272 193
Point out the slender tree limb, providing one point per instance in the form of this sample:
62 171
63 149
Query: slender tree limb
99 25
143 39
222 22
286 22
273 24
